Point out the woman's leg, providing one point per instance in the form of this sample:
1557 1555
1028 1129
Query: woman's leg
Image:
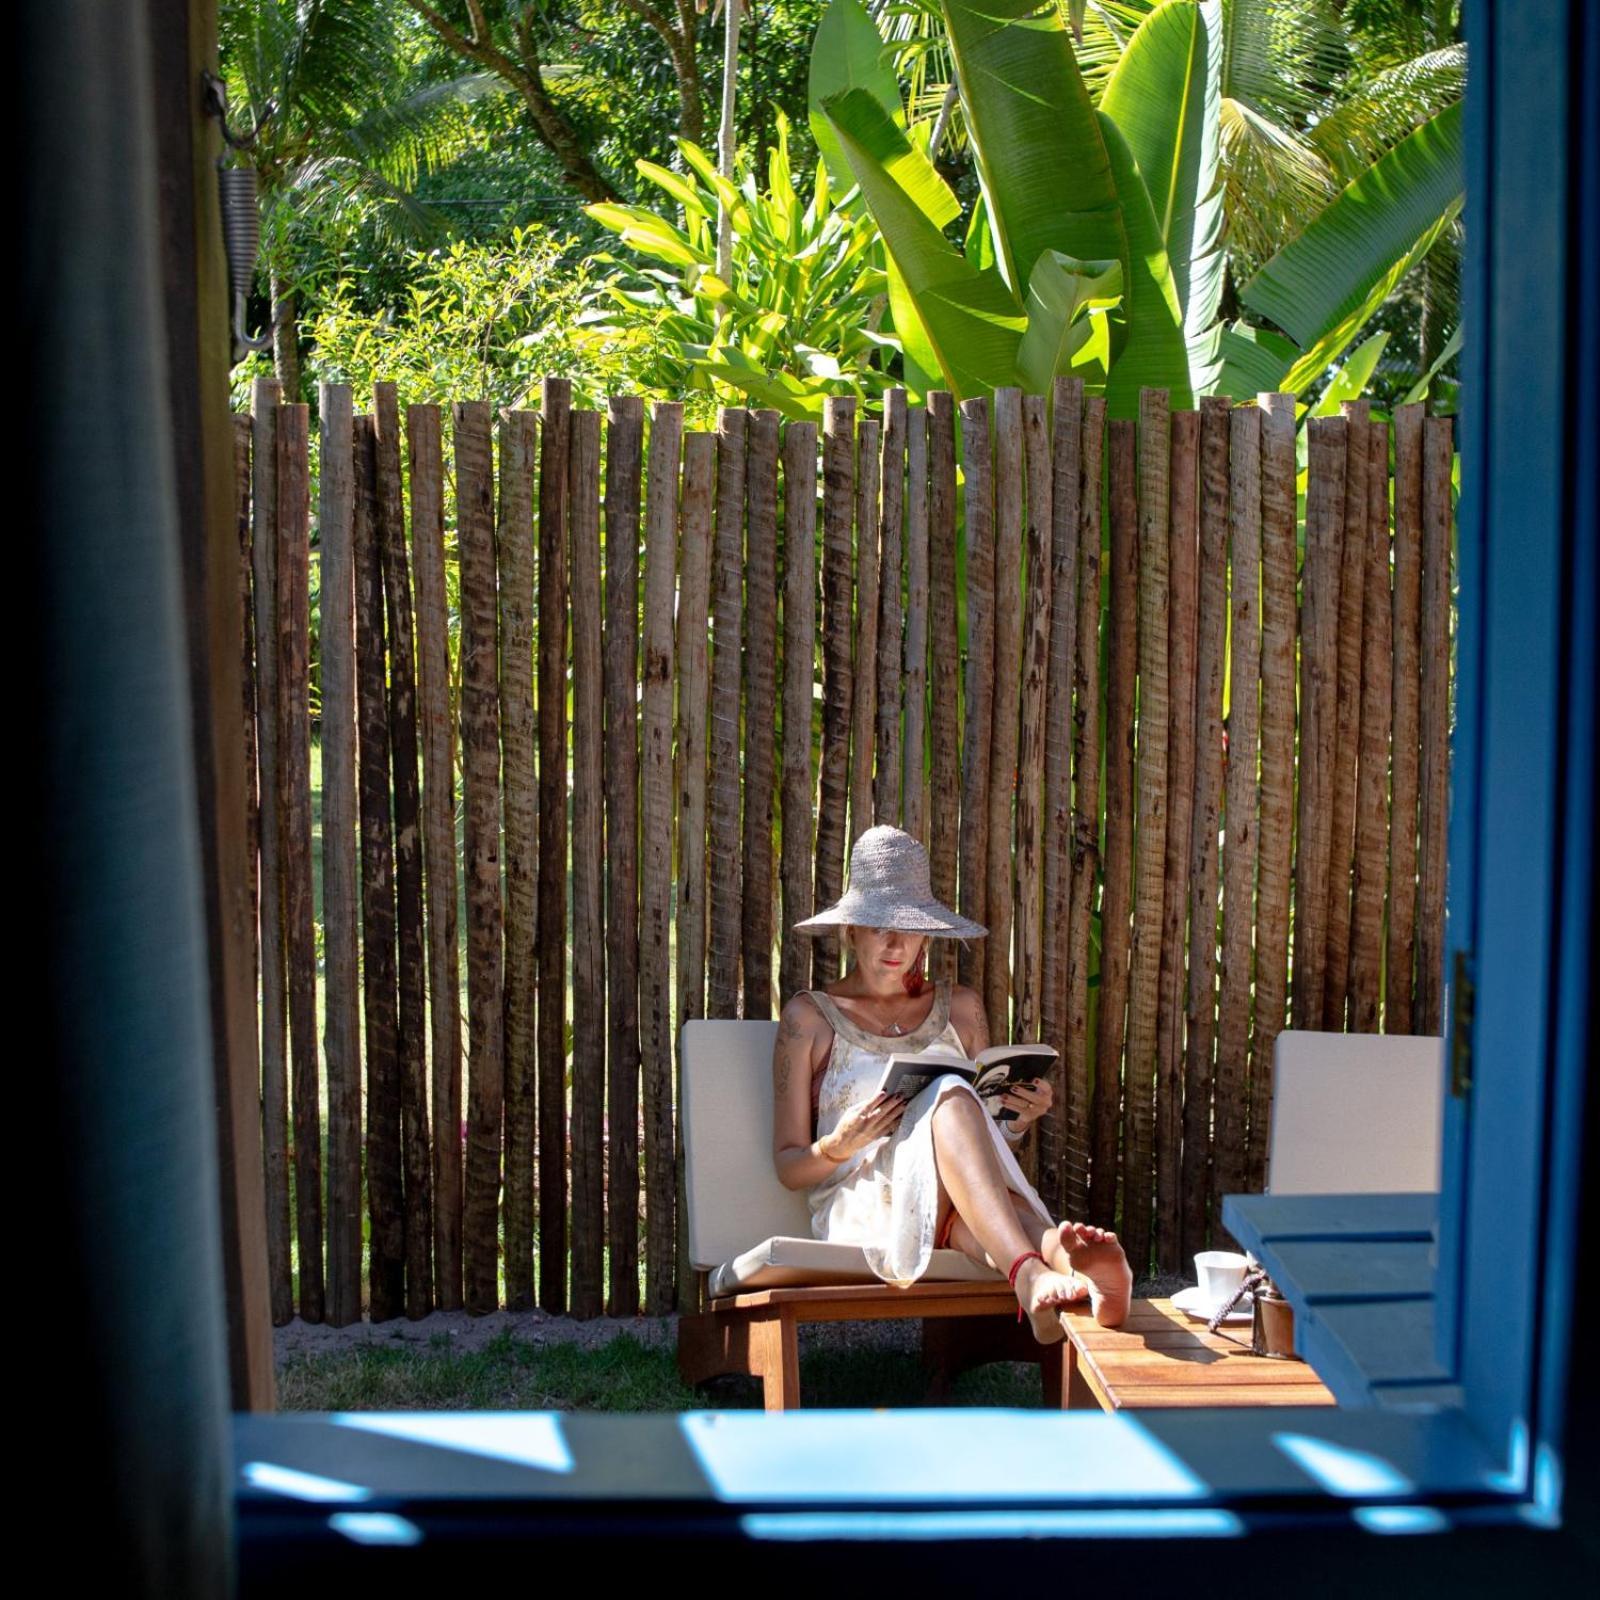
970 1174
1092 1255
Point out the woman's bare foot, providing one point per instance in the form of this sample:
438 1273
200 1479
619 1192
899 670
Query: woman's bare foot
1096 1254
1042 1292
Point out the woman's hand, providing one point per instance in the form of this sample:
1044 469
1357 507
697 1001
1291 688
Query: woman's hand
861 1124
1030 1101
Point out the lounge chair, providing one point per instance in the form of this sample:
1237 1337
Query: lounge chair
766 1274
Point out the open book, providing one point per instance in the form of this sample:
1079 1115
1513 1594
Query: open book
991 1074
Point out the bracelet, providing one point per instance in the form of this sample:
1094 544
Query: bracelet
838 1161
1005 1132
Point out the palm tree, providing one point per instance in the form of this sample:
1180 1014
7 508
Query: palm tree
314 80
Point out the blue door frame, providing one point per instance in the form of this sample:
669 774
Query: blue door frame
1519 921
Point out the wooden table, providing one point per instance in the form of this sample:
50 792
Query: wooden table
1160 1357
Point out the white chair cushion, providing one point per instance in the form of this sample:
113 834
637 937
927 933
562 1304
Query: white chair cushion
787 1263
731 1186
1356 1113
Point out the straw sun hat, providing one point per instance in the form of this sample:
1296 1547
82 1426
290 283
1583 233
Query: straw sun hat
891 887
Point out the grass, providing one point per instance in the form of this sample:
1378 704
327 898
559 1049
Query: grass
510 1374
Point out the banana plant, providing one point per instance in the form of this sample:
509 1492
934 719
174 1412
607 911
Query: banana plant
799 309
1070 185
1073 234
1165 96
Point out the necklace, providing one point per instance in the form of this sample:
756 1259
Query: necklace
897 1027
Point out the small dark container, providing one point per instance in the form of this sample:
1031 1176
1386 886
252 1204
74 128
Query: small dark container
1272 1326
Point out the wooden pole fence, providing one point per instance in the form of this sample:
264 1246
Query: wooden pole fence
1192 783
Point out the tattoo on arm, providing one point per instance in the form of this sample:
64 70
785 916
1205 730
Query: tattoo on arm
791 1040
980 1029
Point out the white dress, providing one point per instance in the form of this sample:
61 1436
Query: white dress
885 1197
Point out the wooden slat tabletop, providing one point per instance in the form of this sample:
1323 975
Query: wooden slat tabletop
1159 1357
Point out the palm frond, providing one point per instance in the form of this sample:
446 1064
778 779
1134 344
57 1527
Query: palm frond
1274 182
1107 27
1383 110
428 128
398 214
1284 58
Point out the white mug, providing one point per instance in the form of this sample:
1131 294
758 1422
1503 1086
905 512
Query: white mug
1220 1273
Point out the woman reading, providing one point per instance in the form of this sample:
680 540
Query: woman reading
900 1178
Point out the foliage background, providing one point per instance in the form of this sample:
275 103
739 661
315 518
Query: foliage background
403 185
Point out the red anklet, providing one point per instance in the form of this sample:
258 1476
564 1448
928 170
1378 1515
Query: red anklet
1031 1255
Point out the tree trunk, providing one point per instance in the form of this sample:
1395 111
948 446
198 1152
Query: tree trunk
760 711
838 508
667 1253
1372 786
1326 442
891 669
723 744
864 691
407 856
656 1051
1032 734
589 1021
497 1081
1428 1016
1241 800
1068 1110
799 678
1406 689
1347 736
511 554
1085 808
1210 646
944 668
624 461
914 790
285 336
726 136
555 436
1007 669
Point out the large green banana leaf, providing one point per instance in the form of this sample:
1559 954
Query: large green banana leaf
848 52
1254 360
1324 285
1352 378
1060 291
1058 175
1314 362
1419 390
972 322
918 359
1165 95
1154 354
1044 168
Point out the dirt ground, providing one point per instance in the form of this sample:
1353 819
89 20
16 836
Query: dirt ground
460 1332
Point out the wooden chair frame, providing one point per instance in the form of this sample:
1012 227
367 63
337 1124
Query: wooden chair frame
964 1325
